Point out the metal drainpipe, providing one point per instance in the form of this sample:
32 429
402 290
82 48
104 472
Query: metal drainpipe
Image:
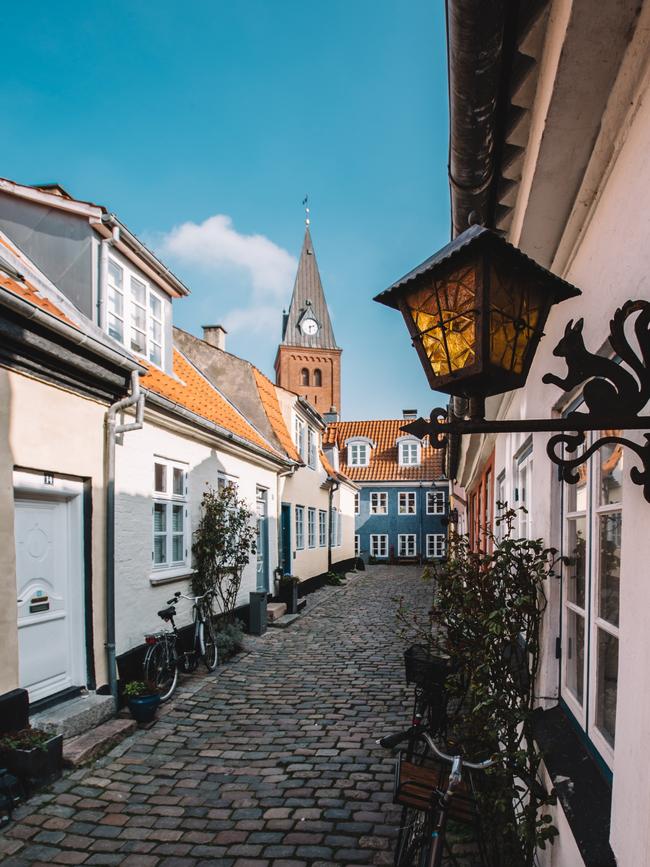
333 487
136 398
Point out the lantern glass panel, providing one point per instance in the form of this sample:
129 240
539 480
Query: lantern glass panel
444 314
518 308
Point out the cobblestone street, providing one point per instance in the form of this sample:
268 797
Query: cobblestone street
274 762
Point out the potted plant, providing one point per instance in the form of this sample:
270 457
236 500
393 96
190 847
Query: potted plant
32 754
142 699
288 592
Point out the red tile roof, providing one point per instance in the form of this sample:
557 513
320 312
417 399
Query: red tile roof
191 390
271 404
30 293
383 464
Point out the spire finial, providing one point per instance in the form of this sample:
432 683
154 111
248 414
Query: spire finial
305 203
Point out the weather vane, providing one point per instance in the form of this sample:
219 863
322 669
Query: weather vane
305 203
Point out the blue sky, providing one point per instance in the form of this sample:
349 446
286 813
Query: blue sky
202 125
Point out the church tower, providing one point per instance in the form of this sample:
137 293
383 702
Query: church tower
308 360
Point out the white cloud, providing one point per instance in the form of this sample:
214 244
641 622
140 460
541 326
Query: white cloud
257 319
216 245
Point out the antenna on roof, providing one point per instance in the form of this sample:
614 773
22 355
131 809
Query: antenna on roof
305 203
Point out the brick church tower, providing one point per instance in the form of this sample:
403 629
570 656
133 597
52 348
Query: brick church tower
308 360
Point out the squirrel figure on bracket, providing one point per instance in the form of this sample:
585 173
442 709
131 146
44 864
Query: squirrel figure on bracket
610 387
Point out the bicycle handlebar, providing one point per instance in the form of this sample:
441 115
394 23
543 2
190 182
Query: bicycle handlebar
194 599
390 741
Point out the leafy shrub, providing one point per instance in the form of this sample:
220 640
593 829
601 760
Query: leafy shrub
25 739
230 637
137 688
334 579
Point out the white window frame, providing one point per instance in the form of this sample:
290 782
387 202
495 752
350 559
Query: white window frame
129 306
357 502
379 544
409 453
168 501
311 527
300 437
357 545
436 545
500 496
586 713
407 545
311 448
379 502
436 502
523 489
404 498
358 454
300 527
322 528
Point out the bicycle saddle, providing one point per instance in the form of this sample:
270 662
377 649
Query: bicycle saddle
167 613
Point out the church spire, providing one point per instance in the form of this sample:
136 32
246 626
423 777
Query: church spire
307 322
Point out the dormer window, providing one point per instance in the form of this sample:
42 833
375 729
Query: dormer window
135 313
359 451
409 452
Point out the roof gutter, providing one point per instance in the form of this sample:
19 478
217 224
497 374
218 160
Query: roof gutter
177 408
480 48
35 314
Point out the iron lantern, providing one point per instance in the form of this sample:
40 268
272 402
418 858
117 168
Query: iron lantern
476 311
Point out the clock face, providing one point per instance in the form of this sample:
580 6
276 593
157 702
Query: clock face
309 327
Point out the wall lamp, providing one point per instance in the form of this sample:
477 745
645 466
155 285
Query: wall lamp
476 312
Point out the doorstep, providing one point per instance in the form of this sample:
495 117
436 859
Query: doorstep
284 621
97 742
76 715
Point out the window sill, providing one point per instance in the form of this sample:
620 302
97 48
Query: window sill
167 576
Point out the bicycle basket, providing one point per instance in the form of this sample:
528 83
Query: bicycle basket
419 786
422 668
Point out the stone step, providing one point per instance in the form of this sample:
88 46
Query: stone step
285 620
84 748
275 610
75 716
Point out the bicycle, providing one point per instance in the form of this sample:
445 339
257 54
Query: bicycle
427 799
163 660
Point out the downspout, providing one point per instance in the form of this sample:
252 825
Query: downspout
333 487
113 429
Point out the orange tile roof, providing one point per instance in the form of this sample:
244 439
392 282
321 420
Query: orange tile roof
383 464
195 393
271 404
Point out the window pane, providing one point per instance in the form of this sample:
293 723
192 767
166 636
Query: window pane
575 654
159 477
115 328
607 683
137 341
115 273
155 354
155 331
178 487
177 519
115 303
177 548
155 305
609 544
138 318
576 552
138 291
159 550
611 470
159 518
577 494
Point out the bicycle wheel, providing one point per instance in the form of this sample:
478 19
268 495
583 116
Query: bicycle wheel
160 668
414 837
208 645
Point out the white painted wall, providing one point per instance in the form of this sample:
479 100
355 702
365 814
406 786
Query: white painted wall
138 597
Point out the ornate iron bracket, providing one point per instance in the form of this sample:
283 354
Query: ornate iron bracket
613 395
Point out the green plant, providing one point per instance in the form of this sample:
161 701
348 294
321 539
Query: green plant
137 688
230 639
224 542
334 579
487 613
25 739
288 580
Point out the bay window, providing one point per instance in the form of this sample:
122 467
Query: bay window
135 313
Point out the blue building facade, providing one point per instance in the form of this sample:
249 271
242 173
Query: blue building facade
402 506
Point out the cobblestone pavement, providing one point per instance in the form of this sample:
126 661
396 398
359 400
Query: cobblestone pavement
273 763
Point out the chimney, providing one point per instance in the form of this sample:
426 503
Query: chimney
331 416
215 335
409 414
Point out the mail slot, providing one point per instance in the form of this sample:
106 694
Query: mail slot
39 603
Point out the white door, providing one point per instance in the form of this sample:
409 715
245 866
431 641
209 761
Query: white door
48 572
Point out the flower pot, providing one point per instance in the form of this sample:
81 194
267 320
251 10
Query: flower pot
38 764
143 707
289 595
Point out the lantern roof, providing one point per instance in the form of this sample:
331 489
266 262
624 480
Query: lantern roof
475 238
